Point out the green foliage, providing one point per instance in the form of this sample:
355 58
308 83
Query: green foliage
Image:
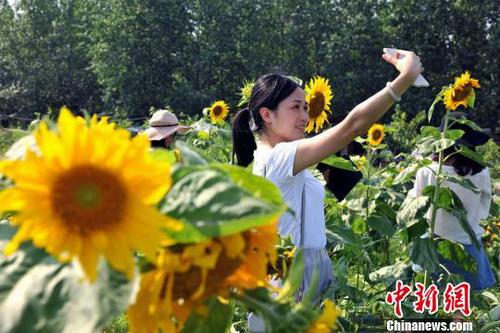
456 253
491 154
34 286
212 205
403 132
118 325
218 199
219 320
8 137
412 209
44 59
392 272
381 224
129 55
136 49
423 251
339 162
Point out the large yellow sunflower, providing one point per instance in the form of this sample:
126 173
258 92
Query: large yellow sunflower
178 283
218 112
173 288
376 134
461 92
328 319
89 192
318 97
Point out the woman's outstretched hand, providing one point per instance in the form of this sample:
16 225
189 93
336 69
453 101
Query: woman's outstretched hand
407 62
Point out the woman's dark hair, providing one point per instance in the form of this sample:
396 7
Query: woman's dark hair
461 164
158 143
268 91
161 143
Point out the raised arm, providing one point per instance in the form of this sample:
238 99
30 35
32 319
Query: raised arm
313 150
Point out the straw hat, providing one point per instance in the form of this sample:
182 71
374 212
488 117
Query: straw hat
162 124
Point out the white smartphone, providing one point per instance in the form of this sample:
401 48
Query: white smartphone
420 81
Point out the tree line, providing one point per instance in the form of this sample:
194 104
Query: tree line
124 57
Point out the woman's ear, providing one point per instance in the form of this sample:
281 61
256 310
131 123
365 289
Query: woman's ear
266 115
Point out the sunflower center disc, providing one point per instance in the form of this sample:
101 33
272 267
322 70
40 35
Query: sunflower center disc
186 283
217 110
462 94
376 134
87 198
316 105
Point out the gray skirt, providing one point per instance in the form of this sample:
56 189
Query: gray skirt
316 259
313 259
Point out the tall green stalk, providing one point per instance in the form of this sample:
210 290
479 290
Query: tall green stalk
209 132
368 164
438 178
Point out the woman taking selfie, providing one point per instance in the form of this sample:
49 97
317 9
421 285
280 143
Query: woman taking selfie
277 114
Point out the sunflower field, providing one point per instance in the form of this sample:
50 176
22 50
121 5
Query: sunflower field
101 233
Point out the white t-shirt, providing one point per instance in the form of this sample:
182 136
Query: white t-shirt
477 205
279 169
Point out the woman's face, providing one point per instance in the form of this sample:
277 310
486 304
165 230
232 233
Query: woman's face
289 119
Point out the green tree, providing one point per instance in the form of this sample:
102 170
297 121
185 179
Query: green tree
44 62
136 47
451 37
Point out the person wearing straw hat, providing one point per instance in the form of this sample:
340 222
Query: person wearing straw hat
476 205
163 127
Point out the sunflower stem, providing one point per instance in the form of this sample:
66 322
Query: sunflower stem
368 164
357 277
438 178
261 306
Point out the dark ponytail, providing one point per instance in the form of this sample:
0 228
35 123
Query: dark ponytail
268 91
243 139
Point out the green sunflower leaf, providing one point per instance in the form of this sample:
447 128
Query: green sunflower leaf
40 294
461 181
219 200
438 98
471 99
189 155
453 134
389 273
412 209
218 318
430 131
469 153
455 252
340 162
381 224
467 122
423 251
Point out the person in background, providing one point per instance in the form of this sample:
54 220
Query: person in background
163 127
477 205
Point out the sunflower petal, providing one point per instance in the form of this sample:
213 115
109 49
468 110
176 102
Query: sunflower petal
88 260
